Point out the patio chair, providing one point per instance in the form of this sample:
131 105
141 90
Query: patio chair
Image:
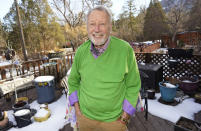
69 110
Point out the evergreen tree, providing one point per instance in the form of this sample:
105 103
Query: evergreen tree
194 21
2 36
126 25
140 24
155 21
39 24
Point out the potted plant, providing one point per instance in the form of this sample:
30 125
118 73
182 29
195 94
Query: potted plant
189 85
185 124
168 91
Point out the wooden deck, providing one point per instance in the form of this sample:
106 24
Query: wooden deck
138 123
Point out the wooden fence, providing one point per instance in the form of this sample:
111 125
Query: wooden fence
185 66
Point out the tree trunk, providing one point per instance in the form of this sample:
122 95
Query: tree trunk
21 32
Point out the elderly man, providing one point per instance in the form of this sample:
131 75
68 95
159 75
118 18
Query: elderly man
104 81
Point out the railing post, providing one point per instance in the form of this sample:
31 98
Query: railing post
57 70
3 74
65 65
39 68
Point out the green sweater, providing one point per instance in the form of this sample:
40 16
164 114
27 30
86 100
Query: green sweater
103 83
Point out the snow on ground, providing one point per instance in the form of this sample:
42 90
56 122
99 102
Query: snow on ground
4 63
172 113
161 50
54 123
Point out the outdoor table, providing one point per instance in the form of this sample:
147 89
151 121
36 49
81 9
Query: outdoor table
155 73
18 82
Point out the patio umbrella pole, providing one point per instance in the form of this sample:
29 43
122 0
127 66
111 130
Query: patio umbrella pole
13 80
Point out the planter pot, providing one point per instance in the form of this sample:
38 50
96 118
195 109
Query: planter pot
23 117
189 85
20 105
151 93
185 124
168 93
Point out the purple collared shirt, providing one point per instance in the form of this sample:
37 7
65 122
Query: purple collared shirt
97 52
127 107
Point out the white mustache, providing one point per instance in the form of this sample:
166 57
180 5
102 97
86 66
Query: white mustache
98 34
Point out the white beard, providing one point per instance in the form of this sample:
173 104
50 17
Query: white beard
97 42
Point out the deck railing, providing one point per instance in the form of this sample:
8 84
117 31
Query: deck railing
39 67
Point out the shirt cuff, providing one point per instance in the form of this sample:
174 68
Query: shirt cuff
128 108
73 98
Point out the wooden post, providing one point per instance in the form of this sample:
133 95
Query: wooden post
71 58
3 74
21 32
58 73
39 68
65 65
23 69
68 62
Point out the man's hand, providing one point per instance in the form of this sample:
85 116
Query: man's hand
125 118
77 109
125 115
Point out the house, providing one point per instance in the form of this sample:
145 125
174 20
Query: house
186 39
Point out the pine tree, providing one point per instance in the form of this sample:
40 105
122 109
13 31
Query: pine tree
126 25
39 24
2 34
155 22
194 21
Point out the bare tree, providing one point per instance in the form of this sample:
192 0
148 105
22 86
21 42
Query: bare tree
72 17
175 17
92 3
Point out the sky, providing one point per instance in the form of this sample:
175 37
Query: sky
116 8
